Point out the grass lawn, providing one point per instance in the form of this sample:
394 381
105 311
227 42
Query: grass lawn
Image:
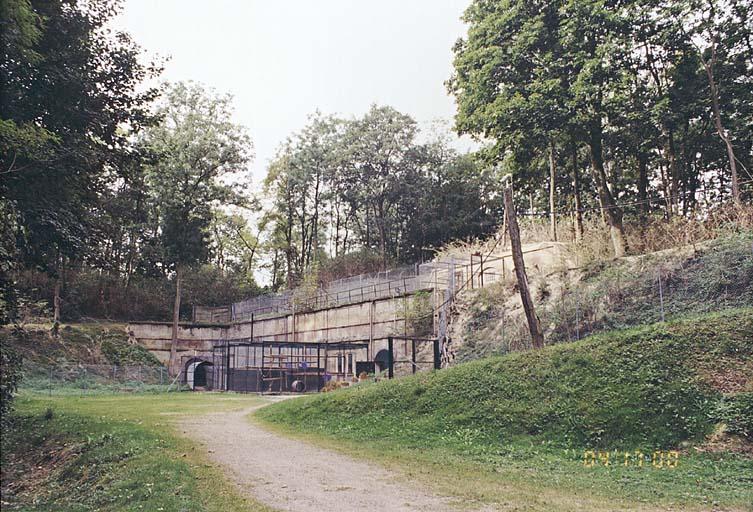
114 452
512 431
522 476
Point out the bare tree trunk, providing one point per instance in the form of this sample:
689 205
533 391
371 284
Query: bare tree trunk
552 191
643 186
173 364
56 305
612 213
665 191
674 174
576 193
534 324
716 111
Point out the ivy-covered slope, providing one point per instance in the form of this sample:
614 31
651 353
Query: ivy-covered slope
86 343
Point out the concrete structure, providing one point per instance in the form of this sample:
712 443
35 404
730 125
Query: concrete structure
371 321
345 317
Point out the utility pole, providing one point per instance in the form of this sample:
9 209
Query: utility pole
534 325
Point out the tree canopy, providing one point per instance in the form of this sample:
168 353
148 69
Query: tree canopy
349 185
653 98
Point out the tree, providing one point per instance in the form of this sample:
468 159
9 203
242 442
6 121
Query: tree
69 107
379 161
197 149
721 33
365 186
515 82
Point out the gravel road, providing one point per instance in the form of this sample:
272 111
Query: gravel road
292 475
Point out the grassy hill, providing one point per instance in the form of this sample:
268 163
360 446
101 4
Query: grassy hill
94 343
530 417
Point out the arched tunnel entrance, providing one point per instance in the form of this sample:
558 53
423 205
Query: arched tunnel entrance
198 373
382 360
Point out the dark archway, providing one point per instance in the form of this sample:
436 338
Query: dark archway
382 360
200 375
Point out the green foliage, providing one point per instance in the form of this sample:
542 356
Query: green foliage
119 353
112 453
715 276
10 377
718 275
87 344
68 94
366 186
419 315
624 389
636 92
195 146
736 412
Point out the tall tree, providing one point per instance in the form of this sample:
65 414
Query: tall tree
197 151
69 106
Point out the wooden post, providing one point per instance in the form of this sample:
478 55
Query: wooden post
413 354
172 365
437 355
534 325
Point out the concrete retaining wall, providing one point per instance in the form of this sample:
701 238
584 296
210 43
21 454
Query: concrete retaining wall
371 321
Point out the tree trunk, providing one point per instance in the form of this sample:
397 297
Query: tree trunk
534 324
674 174
716 111
56 305
173 365
552 190
612 213
576 193
643 186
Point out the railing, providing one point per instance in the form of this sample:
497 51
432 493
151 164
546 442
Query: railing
365 287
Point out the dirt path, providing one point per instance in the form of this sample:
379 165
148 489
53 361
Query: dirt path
291 475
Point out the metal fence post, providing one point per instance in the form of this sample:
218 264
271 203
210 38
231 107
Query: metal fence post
390 358
661 297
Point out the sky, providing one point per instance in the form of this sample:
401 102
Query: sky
284 59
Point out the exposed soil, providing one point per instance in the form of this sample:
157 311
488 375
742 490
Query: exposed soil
292 475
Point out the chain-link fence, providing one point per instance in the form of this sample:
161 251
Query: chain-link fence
62 378
469 270
348 290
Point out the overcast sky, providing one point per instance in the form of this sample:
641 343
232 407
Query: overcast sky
284 59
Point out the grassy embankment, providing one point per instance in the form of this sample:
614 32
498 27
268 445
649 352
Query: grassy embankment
514 430
114 453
